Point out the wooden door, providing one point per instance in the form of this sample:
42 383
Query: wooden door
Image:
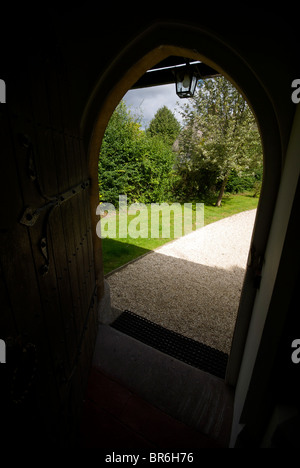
47 282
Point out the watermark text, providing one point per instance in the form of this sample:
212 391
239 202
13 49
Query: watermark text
296 94
155 221
296 353
2 92
2 352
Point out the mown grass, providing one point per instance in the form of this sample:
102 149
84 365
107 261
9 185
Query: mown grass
118 251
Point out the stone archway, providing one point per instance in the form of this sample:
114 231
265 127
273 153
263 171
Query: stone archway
153 45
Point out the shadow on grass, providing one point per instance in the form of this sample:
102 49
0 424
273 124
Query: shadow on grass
116 254
119 252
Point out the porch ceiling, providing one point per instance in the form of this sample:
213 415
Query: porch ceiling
163 72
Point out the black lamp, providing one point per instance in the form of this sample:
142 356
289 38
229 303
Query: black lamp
186 81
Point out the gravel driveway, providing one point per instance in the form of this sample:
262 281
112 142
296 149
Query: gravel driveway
191 285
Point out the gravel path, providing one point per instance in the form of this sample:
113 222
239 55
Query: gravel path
191 285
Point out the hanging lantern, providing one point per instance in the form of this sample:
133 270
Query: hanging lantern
186 81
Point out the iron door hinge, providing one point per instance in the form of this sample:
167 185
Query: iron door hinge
31 214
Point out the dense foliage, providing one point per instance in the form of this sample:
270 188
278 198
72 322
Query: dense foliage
165 125
133 163
220 140
218 148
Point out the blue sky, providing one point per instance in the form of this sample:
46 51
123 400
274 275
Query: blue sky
147 101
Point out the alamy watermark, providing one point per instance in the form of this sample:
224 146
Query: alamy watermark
2 352
296 354
2 92
153 221
296 94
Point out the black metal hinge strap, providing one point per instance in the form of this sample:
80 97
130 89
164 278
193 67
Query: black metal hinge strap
31 214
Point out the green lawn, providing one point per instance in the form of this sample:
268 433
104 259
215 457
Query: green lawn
117 252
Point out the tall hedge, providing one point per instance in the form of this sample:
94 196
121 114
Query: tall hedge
133 163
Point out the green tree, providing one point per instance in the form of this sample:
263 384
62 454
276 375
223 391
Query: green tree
220 134
132 163
165 125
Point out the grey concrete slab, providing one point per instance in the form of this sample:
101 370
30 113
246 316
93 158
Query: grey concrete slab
190 395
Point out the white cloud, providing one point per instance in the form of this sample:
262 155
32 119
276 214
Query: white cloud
146 101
